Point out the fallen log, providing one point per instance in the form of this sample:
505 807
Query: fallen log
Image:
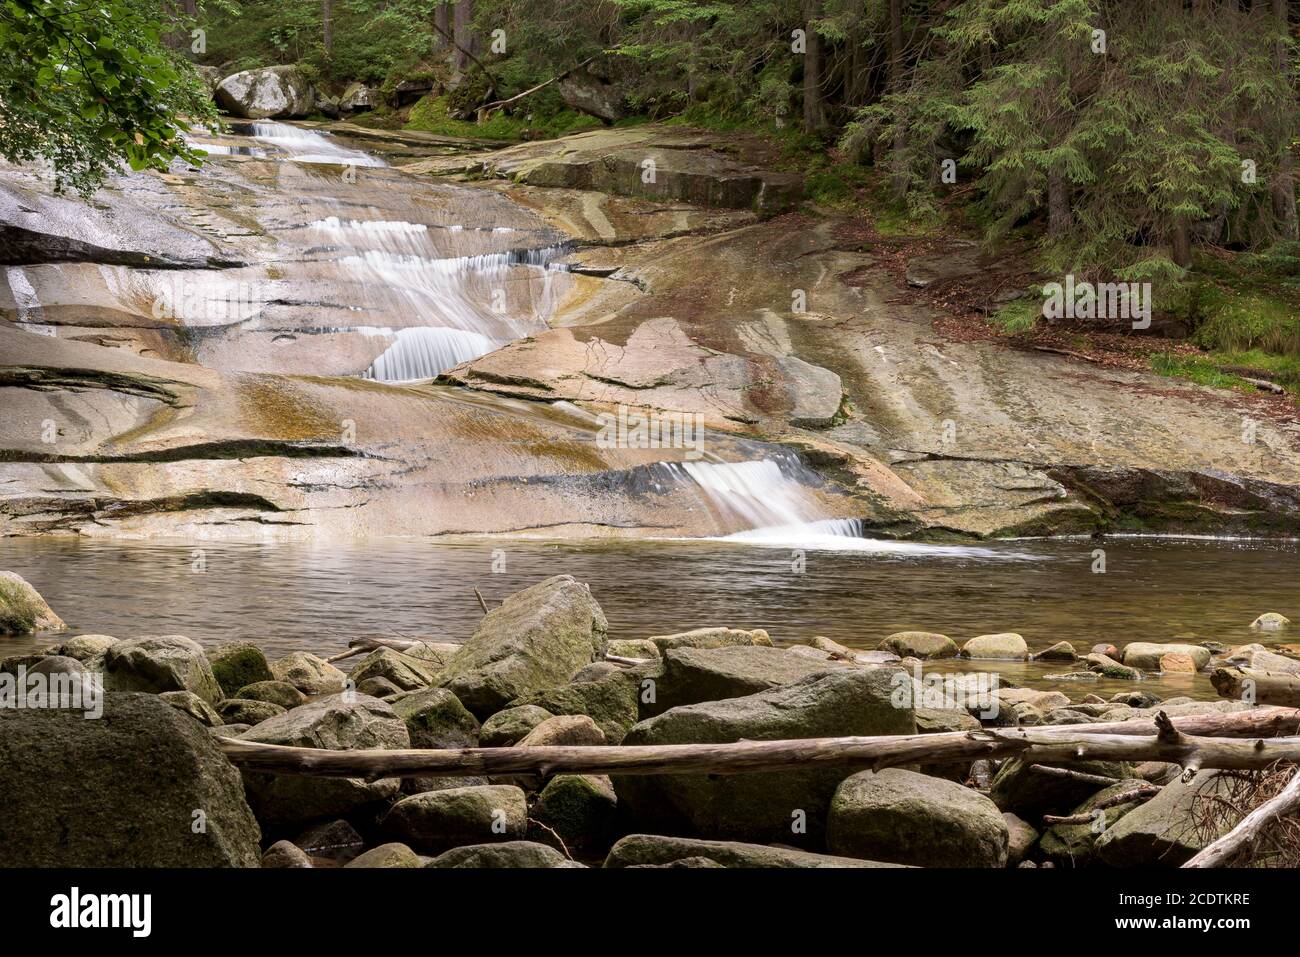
1043 745
359 646
1247 832
1262 687
1141 793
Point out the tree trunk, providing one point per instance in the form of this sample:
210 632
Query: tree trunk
1284 206
1059 218
463 31
896 86
813 117
1116 741
1266 687
1180 241
442 24
327 23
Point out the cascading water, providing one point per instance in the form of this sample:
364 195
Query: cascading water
307 146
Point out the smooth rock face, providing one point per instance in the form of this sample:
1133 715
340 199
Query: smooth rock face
1174 663
271 92
160 663
789 806
237 664
285 854
637 850
22 609
1021 836
533 640
1005 645
505 854
571 730
309 674
335 724
511 725
909 818
437 820
1163 832
1146 655
920 644
86 793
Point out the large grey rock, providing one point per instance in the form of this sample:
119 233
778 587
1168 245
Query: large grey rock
119 791
357 98
434 821
511 725
1071 845
909 818
336 724
610 701
1020 789
583 91
86 647
435 718
1005 645
710 638
920 644
788 806
637 850
404 671
693 675
308 673
580 808
22 609
189 703
533 640
386 855
1166 831
236 664
159 663
274 92
505 854
275 692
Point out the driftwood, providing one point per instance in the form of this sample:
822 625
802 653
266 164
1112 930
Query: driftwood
1264 687
486 109
1140 793
1100 780
1247 832
359 646
1174 742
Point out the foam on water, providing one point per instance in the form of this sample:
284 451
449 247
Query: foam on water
308 146
422 353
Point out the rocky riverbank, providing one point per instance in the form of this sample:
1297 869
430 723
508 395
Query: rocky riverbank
137 775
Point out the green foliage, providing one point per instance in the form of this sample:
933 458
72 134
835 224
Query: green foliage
85 88
430 115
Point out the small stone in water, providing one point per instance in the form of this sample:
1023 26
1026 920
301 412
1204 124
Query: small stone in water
1270 621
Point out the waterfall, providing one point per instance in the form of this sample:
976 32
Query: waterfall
307 146
424 352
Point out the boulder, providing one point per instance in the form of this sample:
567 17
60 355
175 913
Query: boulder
86 647
1021 837
1177 664
1110 651
336 724
190 703
1071 845
283 854
595 671
693 675
533 640
79 793
434 821
612 702
637 850
23 610
238 663
581 808
386 855
564 730
920 644
275 692
358 98
159 663
274 92
1108 667
787 806
1165 831
309 674
1061 651
1146 655
505 854
633 648
329 839
587 93
247 711
59 665
404 671
1258 658
1041 700
435 718
1270 621
1005 645
381 688
511 725
711 638
910 818
1020 789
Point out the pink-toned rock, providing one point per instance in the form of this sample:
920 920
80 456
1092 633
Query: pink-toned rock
1110 651
1177 664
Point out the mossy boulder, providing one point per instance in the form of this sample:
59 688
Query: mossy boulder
434 821
435 718
86 647
711 638
1018 788
405 671
1071 845
80 793
1166 831
189 703
1146 655
920 644
238 663
511 725
581 808
158 663
275 692
335 723
533 640
309 674
1005 645
909 818
787 806
386 855
247 711
612 702
23 610
694 675
505 854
